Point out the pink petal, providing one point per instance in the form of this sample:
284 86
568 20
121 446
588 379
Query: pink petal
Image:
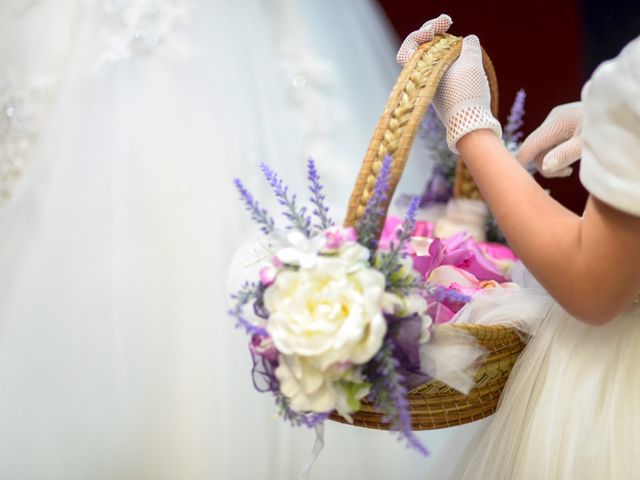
483 268
439 313
459 240
423 265
423 229
389 232
497 251
268 275
350 234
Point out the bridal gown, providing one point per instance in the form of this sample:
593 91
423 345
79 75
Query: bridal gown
123 123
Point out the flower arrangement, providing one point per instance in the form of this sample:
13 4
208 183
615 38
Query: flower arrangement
338 314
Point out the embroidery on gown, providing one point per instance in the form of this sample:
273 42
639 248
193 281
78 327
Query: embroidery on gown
310 83
21 112
144 27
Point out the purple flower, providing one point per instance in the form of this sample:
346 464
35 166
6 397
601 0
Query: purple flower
263 345
389 392
512 131
375 210
258 214
297 419
405 332
321 210
248 292
439 189
297 216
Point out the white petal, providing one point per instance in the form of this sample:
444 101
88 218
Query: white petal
289 255
447 274
298 240
421 245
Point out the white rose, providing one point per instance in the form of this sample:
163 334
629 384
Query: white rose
425 333
329 313
404 306
311 390
300 250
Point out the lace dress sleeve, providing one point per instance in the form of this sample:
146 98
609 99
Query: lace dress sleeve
610 167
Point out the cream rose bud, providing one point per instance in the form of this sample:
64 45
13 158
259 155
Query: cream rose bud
415 304
309 389
330 312
403 306
300 250
392 304
425 331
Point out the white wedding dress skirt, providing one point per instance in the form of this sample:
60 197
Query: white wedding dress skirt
570 407
117 358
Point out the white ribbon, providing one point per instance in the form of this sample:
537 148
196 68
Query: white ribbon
315 452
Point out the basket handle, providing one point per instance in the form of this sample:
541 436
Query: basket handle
398 125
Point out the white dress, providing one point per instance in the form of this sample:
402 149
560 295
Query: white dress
117 358
570 407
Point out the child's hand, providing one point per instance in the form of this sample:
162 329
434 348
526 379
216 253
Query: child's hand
463 98
427 31
555 144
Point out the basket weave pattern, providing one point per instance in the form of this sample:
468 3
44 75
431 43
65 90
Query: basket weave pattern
434 404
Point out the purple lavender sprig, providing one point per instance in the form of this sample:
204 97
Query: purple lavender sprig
431 125
390 261
258 214
390 394
438 293
444 294
297 216
297 419
321 210
439 188
409 224
375 211
434 134
248 292
512 131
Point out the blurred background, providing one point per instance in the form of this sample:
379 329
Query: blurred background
122 125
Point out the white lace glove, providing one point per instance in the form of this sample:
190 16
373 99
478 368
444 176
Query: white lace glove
556 143
427 31
463 98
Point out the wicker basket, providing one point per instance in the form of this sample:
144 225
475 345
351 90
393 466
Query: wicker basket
434 404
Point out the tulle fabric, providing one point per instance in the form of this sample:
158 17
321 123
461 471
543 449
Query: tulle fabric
570 407
450 354
117 358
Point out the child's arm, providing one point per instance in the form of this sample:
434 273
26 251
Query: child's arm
590 265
